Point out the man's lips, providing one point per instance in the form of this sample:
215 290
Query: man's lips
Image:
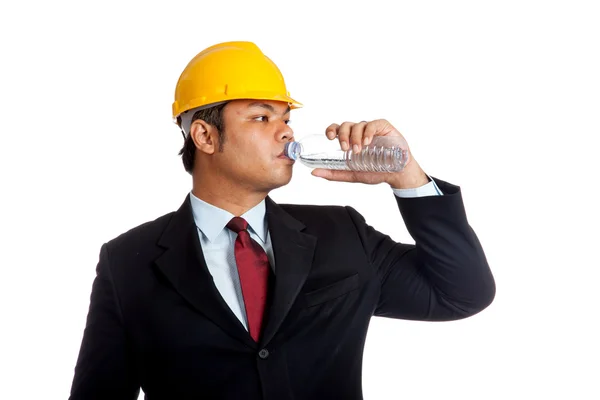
284 157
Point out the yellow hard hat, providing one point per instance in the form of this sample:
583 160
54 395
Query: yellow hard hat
229 71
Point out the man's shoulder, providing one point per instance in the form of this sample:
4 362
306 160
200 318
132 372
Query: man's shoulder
310 208
144 234
311 214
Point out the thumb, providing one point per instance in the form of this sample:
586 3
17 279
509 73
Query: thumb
334 175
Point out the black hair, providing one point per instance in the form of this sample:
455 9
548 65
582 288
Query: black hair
212 116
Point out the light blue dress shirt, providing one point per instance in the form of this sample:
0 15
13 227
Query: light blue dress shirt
218 242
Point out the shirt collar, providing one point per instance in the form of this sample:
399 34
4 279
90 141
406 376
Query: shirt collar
211 220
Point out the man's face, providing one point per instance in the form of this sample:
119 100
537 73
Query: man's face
256 132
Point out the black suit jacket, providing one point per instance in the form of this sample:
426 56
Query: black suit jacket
157 321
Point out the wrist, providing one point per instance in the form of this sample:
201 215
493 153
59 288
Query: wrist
403 180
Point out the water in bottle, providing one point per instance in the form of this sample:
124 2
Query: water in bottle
383 154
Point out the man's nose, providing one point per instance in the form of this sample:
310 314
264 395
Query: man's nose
285 133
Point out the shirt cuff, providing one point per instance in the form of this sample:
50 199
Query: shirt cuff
429 189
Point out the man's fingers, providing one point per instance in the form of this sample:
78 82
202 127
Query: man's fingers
334 175
370 131
356 135
344 135
331 131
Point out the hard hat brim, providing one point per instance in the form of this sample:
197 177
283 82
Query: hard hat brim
205 103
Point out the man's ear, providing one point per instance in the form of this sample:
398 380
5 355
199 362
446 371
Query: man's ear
204 136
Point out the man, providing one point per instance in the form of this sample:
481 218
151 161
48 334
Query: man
236 297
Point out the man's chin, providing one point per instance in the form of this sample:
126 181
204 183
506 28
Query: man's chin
280 181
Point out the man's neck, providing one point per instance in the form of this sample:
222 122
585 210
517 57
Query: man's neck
237 202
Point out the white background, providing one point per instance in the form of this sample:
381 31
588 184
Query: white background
501 98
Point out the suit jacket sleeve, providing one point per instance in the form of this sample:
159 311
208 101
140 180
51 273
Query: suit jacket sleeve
104 367
444 275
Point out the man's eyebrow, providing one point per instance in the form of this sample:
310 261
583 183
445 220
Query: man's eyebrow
268 107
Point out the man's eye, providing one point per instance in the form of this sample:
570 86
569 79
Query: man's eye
262 118
287 122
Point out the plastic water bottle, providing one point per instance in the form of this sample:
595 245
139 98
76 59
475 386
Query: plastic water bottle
383 154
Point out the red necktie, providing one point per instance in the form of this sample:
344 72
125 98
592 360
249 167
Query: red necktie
253 269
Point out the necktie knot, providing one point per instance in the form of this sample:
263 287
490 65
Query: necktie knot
237 224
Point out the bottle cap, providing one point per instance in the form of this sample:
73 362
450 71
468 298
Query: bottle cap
292 150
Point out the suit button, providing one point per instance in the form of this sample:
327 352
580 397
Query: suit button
264 354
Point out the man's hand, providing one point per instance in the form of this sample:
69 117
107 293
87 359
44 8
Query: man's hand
356 135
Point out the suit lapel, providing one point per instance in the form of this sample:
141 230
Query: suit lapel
293 252
183 264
